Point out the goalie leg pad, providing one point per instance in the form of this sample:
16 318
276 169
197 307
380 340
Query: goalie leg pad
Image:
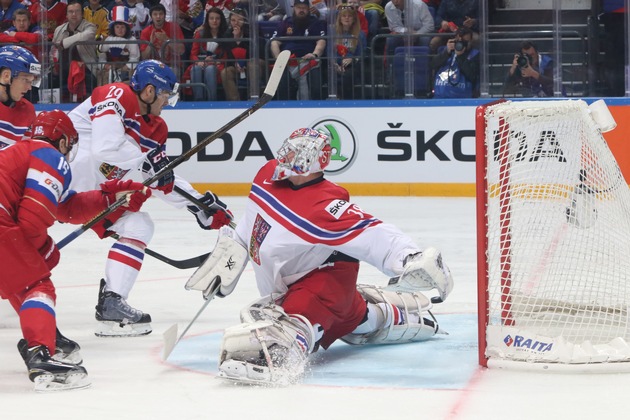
268 348
418 325
424 271
222 268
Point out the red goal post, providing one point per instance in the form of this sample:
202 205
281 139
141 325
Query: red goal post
553 223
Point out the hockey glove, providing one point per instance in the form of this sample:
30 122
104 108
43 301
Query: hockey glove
424 271
135 193
218 216
154 161
50 253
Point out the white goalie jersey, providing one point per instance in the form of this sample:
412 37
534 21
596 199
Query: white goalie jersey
290 231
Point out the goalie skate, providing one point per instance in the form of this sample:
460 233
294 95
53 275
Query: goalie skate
51 375
117 318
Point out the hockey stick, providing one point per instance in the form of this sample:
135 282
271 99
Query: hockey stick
170 335
193 262
270 91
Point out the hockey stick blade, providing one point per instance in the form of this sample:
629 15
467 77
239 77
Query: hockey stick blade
270 91
170 339
193 262
170 334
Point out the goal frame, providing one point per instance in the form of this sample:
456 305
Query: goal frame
503 279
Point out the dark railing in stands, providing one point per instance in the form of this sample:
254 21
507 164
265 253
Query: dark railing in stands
378 76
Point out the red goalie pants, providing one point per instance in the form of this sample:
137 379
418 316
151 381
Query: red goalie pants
328 296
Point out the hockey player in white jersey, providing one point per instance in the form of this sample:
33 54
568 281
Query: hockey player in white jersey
121 132
305 238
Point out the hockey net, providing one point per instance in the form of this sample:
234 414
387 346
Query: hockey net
554 238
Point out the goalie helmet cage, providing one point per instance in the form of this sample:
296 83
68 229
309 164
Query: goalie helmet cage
553 223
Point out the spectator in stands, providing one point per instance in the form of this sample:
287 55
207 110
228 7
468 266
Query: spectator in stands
76 62
456 67
22 32
119 59
454 14
363 22
138 16
28 36
224 5
239 67
157 34
418 19
350 48
373 11
304 73
207 55
97 14
531 73
319 9
270 10
7 8
55 12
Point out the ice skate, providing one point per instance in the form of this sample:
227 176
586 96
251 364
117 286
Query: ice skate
66 350
51 375
117 318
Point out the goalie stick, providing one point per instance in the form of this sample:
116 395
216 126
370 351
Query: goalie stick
268 94
170 335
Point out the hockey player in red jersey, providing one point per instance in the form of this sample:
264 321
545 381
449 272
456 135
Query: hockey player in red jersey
34 179
305 238
121 131
19 71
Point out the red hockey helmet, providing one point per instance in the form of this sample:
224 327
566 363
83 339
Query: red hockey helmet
54 126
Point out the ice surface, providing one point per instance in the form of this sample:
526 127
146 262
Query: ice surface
434 380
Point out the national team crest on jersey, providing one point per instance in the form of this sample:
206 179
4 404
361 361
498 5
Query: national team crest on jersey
112 171
259 232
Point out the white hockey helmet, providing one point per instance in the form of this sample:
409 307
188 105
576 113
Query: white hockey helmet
306 151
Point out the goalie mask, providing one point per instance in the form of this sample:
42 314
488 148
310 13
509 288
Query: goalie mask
306 151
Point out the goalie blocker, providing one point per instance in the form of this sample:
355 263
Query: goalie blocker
223 267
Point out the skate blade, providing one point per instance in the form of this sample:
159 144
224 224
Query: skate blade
115 329
48 383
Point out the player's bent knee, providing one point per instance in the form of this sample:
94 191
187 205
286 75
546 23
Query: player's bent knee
417 323
138 226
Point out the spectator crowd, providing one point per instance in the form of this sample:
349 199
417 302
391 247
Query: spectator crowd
215 55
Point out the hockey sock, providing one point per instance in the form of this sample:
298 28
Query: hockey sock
123 265
37 319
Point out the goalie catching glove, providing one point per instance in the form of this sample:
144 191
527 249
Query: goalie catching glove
154 161
218 214
221 271
424 271
134 192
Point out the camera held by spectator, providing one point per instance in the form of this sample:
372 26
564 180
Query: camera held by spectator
523 60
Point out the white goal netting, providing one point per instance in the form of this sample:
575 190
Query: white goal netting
557 232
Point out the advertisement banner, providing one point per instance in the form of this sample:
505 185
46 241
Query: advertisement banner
371 146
